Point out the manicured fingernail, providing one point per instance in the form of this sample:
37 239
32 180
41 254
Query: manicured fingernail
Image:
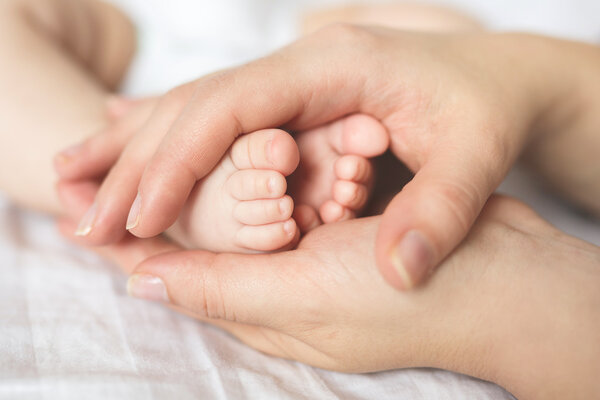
87 222
412 258
134 213
147 287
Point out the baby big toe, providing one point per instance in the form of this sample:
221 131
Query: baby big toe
265 211
364 135
350 194
267 237
266 149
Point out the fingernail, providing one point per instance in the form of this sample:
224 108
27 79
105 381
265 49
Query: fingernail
147 287
134 213
87 222
412 258
69 153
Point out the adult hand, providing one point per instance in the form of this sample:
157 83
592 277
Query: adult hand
457 107
485 313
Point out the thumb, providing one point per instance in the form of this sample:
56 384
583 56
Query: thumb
431 216
249 289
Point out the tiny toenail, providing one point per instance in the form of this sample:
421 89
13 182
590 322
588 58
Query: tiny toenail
288 227
272 185
283 206
87 222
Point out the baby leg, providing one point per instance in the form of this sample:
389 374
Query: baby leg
55 77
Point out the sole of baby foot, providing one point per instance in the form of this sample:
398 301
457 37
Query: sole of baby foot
335 176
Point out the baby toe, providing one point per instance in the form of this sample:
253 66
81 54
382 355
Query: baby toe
306 217
267 237
262 212
350 194
266 149
364 136
255 184
354 168
332 211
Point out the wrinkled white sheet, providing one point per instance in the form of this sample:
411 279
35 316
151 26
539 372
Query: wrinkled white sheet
69 331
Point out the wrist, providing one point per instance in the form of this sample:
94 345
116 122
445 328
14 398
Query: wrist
554 78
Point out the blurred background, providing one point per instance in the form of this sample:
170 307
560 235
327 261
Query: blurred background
182 39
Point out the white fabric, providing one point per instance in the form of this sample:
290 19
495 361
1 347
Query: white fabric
68 329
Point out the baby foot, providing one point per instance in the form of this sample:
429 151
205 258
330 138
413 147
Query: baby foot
241 206
334 179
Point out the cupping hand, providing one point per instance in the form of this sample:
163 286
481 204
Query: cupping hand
324 303
456 106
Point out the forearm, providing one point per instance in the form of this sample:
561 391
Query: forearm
50 99
566 147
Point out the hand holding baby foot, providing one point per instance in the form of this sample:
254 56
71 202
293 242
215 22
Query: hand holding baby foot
247 189
471 318
457 109
240 206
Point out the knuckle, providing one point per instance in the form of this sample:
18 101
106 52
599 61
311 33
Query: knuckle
176 97
217 83
210 302
347 39
461 200
342 31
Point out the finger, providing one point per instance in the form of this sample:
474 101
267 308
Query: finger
131 251
93 157
249 289
106 220
227 105
76 197
127 253
432 214
119 106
